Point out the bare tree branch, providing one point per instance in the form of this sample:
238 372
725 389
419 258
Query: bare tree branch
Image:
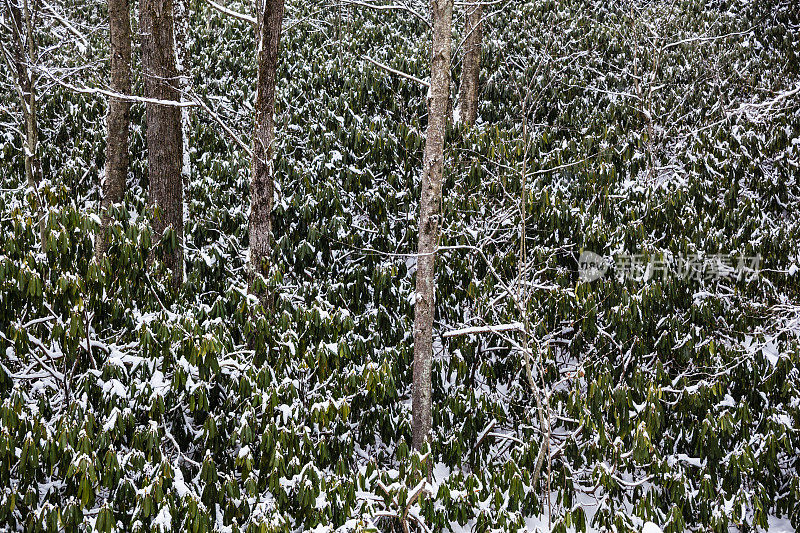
232 13
389 7
398 72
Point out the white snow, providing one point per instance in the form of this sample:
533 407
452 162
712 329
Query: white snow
650 527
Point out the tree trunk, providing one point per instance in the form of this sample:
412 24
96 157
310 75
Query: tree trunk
270 18
24 55
471 65
118 117
164 137
183 45
430 202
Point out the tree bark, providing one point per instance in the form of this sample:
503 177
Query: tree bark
184 64
430 202
118 117
471 65
164 136
262 186
24 54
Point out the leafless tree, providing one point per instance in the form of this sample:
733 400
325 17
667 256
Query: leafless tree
164 135
19 51
262 181
183 44
471 64
430 206
118 117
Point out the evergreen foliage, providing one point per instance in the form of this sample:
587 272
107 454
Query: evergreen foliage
659 128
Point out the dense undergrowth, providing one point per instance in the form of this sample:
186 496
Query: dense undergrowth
665 128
